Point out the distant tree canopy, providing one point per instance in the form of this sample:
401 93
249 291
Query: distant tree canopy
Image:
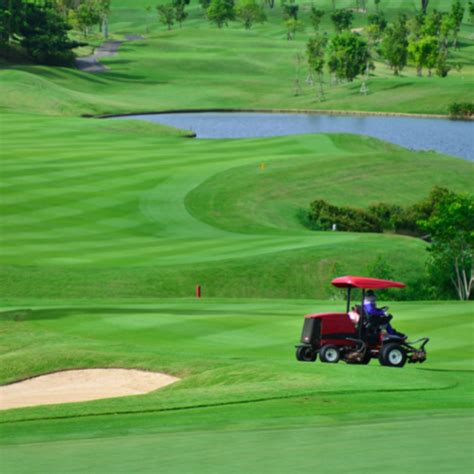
342 19
40 30
316 16
348 55
290 10
166 14
85 16
250 12
221 12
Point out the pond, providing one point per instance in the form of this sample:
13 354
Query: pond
453 137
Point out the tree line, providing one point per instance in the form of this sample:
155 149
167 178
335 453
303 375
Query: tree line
425 40
41 29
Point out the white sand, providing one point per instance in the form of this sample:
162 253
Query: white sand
80 386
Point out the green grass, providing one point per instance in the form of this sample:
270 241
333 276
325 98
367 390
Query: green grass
110 209
107 225
243 399
199 66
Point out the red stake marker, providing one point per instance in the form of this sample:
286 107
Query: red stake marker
198 291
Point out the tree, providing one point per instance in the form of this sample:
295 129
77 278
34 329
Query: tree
292 26
205 4
44 35
11 14
180 10
221 12
394 46
86 15
377 19
451 229
103 8
166 14
470 9
424 53
457 14
316 15
315 50
342 19
377 5
414 25
424 5
446 29
431 24
290 10
442 66
348 55
250 12
377 25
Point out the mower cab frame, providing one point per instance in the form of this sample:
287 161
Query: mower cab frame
354 336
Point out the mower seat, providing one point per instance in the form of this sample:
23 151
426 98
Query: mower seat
398 338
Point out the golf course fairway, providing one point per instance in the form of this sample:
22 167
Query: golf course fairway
244 403
108 227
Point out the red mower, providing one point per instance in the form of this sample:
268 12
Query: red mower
354 336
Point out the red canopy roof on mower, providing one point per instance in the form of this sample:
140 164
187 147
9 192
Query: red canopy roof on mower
366 283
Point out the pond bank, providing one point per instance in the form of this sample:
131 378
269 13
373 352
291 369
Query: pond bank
281 111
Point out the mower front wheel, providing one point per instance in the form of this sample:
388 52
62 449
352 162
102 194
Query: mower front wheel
329 354
392 355
306 354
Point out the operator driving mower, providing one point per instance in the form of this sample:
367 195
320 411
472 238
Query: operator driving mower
354 336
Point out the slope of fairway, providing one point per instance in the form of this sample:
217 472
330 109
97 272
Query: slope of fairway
243 396
93 209
257 199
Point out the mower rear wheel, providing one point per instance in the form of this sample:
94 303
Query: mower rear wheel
329 354
306 354
392 355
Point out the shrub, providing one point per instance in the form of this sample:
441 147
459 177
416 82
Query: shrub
461 109
323 215
387 214
377 218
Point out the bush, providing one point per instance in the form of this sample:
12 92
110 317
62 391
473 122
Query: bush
323 215
461 109
377 218
387 214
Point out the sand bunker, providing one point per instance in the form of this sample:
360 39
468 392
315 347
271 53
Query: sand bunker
80 386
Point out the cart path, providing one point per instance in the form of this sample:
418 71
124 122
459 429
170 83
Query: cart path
109 48
81 385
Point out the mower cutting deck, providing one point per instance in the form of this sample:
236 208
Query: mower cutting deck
354 336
